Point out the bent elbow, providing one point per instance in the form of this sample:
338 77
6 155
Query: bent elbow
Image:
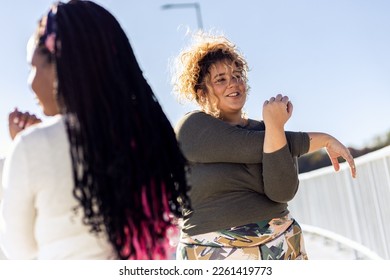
17 250
282 192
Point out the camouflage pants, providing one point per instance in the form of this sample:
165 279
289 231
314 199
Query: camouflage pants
277 239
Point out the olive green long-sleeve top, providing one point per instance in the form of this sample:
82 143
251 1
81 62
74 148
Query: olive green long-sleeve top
233 182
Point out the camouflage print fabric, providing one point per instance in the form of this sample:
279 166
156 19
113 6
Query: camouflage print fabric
277 239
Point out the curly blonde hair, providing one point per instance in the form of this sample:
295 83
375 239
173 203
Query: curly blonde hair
191 74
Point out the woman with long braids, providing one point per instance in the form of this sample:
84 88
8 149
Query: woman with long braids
104 178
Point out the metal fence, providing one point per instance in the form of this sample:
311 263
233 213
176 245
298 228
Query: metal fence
358 209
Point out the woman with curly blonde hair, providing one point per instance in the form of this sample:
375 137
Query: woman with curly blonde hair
243 171
193 81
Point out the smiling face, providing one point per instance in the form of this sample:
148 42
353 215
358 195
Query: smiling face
227 85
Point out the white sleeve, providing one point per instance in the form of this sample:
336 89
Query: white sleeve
1 177
17 212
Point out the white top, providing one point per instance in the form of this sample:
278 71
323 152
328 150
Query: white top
37 221
1 176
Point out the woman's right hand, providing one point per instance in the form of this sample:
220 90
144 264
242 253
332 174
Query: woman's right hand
18 121
277 111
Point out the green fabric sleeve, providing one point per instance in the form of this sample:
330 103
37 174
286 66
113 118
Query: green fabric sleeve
206 139
280 175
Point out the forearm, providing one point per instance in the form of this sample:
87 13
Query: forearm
318 140
274 139
334 148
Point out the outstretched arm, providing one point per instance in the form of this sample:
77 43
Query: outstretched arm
334 148
206 139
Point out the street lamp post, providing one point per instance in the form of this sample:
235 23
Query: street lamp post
187 5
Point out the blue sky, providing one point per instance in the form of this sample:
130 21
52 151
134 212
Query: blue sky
331 57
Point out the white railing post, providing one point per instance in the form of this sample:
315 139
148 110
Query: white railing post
357 209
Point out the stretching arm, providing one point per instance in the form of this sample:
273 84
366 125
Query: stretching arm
334 148
206 139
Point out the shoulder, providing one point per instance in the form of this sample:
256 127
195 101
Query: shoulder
44 135
37 145
193 119
50 124
255 125
47 128
194 115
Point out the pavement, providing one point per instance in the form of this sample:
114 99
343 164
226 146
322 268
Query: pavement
320 248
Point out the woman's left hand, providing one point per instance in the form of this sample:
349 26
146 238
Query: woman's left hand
335 149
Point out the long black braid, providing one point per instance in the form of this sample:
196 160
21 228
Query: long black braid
128 170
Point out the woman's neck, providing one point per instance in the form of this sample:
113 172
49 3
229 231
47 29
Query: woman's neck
234 119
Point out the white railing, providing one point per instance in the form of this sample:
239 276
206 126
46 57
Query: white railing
357 209
345 248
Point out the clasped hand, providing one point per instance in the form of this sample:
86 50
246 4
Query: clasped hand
18 121
277 111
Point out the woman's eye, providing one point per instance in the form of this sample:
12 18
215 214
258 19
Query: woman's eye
238 78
